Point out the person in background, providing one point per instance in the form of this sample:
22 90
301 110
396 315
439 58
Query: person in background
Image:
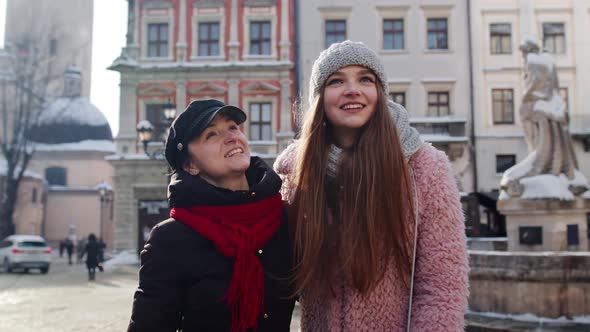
378 233
92 252
221 262
102 247
69 245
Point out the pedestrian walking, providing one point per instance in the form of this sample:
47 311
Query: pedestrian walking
62 247
101 249
378 229
69 246
92 251
221 262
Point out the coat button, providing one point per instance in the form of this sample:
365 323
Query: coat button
252 194
260 251
265 315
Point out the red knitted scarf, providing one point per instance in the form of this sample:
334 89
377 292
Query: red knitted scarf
238 231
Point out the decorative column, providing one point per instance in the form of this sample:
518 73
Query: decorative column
181 44
285 134
285 44
180 96
126 138
233 93
233 44
132 48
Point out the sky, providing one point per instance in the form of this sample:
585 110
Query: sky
109 29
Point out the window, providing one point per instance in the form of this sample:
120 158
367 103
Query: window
260 38
335 32
503 106
209 39
399 97
157 40
563 95
500 38
393 34
438 103
155 115
34 196
554 37
53 46
504 162
55 176
260 122
437 34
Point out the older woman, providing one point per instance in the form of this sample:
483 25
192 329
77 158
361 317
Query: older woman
221 263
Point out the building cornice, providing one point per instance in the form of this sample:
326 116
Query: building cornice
500 11
554 10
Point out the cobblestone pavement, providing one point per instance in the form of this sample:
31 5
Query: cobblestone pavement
65 301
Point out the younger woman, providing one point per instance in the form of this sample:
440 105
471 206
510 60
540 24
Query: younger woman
378 228
221 262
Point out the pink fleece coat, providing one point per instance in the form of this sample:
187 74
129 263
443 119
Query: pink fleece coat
441 276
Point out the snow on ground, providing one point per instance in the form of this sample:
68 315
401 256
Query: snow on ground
122 258
532 318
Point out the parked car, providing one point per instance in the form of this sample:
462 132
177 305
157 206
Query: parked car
25 252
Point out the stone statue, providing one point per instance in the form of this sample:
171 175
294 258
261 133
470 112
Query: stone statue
545 120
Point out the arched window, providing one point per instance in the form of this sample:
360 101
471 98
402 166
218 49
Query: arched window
56 176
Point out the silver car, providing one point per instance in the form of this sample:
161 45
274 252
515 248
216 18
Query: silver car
25 252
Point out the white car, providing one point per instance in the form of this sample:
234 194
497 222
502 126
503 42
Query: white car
25 252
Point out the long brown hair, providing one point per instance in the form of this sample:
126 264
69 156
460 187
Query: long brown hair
374 204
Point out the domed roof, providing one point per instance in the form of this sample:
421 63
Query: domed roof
71 120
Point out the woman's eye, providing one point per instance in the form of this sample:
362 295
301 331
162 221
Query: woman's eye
210 134
367 79
334 81
233 127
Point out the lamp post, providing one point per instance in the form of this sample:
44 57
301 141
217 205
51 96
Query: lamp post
103 190
145 130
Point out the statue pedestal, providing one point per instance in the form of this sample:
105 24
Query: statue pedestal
546 224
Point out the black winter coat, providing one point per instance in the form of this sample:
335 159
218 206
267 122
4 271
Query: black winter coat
183 277
92 251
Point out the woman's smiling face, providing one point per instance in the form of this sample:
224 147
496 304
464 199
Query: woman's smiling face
350 98
220 153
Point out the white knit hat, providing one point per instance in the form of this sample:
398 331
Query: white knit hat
348 53
338 55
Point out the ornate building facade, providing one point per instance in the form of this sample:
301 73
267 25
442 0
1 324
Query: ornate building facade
238 51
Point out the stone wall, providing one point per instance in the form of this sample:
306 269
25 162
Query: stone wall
546 284
143 177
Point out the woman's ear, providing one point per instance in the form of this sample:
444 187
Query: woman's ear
190 168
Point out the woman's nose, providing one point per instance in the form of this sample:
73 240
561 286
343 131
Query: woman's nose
230 136
351 88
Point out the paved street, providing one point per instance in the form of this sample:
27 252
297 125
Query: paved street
64 300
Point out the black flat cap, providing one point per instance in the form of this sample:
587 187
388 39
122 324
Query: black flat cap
191 123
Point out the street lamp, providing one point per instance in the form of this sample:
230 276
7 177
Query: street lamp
169 111
103 191
145 130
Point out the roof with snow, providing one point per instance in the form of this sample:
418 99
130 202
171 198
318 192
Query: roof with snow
71 120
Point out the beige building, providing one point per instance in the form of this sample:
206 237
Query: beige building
31 199
70 192
424 47
240 52
72 139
